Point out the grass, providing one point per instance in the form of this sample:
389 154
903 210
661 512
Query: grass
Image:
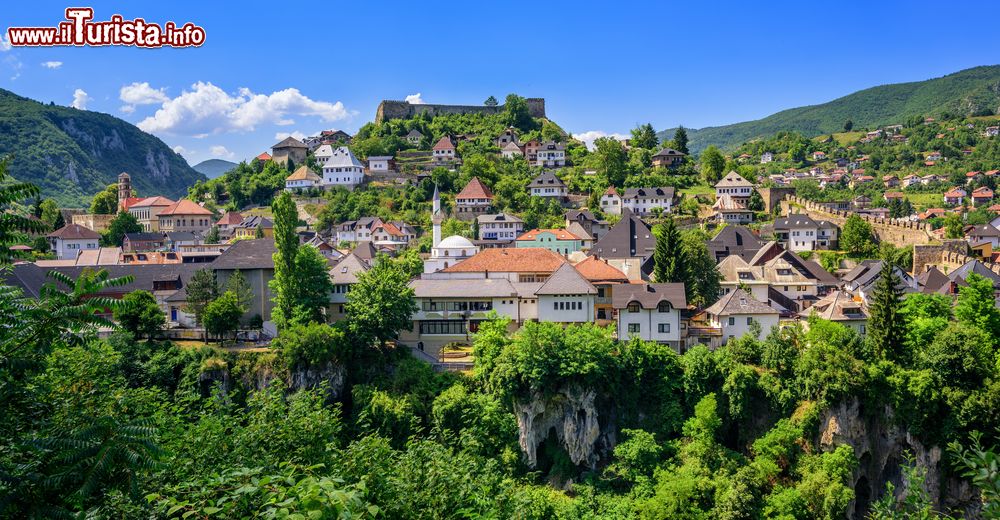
193 343
263 211
925 200
843 138
698 189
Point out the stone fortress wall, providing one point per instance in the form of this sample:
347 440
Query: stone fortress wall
389 109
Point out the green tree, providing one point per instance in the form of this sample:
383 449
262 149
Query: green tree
286 243
50 212
201 290
886 328
490 101
980 465
222 315
516 113
643 136
668 256
702 281
848 125
953 226
712 164
756 202
105 201
680 140
14 227
976 305
312 344
240 287
212 237
612 160
857 237
140 314
381 303
312 284
124 222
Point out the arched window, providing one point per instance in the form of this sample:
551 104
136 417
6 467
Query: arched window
663 307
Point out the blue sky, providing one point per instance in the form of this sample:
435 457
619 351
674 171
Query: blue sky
602 66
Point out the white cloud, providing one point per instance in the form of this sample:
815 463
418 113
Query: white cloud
180 149
4 43
127 109
14 64
281 135
80 99
52 64
415 99
590 136
207 110
140 94
221 151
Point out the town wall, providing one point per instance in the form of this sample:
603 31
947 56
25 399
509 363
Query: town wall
773 196
900 232
389 109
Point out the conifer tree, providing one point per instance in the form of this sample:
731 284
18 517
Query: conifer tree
286 244
885 322
668 256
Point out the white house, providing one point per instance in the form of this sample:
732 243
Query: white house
340 166
642 201
651 312
444 150
611 202
501 227
511 150
379 163
69 240
302 179
766 157
548 185
735 312
734 185
551 155
566 297
344 274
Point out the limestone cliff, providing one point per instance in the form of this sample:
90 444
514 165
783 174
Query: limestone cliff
572 416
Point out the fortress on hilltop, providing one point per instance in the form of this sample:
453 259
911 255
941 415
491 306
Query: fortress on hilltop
389 109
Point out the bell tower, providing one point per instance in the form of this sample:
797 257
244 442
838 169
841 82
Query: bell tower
124 189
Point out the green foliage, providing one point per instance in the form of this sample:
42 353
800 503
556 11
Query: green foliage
857 237
123 223
702 281
140 314
977 307
981 466
380 303
712 164
105 202
286 247
886 333
222 315
201 290
643 136
312 284
668 256
312 344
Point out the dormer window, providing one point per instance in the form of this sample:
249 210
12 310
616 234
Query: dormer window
663 307
633 307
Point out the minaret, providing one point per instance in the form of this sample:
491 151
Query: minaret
437 217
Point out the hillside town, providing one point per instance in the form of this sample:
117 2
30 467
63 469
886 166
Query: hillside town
779 253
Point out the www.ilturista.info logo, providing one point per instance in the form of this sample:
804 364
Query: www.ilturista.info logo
79 30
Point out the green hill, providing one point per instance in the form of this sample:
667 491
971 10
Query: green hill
213 168
71 154
974 91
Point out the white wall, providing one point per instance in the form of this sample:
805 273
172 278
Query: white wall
585 313
649 321
741 327
69 249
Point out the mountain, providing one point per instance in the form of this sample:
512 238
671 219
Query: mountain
974 91
213 168
72 154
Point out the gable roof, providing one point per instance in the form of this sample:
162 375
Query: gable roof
932 281
289 142
256 221
560 234
347 269
339 157
231 218
566 280
726 202
365 251
247 254
499 217
649 295
444 288
444 144
303 173
264 156
597 270
795 221
475 189
511 260
74 232
659 192
977 267
836 306
185 207
668 152
739 302
546 179
414 133
735 240
733 180
629 238
153 201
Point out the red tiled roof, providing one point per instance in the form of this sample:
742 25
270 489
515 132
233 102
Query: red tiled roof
475 189
954 193
596 270
154 201
972 174
131 201
74 232
611 191
231 218
185 207
894 195
264 157
982 191
561 234
511 260
444 144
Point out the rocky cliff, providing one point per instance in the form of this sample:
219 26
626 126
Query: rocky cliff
572 416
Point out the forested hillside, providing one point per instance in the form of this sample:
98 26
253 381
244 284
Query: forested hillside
71 154
969 92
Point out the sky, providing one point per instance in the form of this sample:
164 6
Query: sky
267 70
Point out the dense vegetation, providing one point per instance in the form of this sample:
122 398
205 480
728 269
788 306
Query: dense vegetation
970 92
71 154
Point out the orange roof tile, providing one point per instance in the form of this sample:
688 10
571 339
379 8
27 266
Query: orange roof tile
231 218
185 207
510 260
264 157
154 201
596 270
561 234
475 189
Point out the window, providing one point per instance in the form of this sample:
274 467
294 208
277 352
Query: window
442 327
555 306
749 320
732 321
663 328
633 328
663 307
633 307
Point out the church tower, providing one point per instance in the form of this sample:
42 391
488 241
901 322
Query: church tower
124 189
437 217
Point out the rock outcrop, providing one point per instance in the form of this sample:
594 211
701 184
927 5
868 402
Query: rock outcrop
572 415
881 447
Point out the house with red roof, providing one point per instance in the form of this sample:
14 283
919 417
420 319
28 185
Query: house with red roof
475 199
147 211
611 202
972 176
982 196
185 215
68 241
444 150
263 157
890 181
954 196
